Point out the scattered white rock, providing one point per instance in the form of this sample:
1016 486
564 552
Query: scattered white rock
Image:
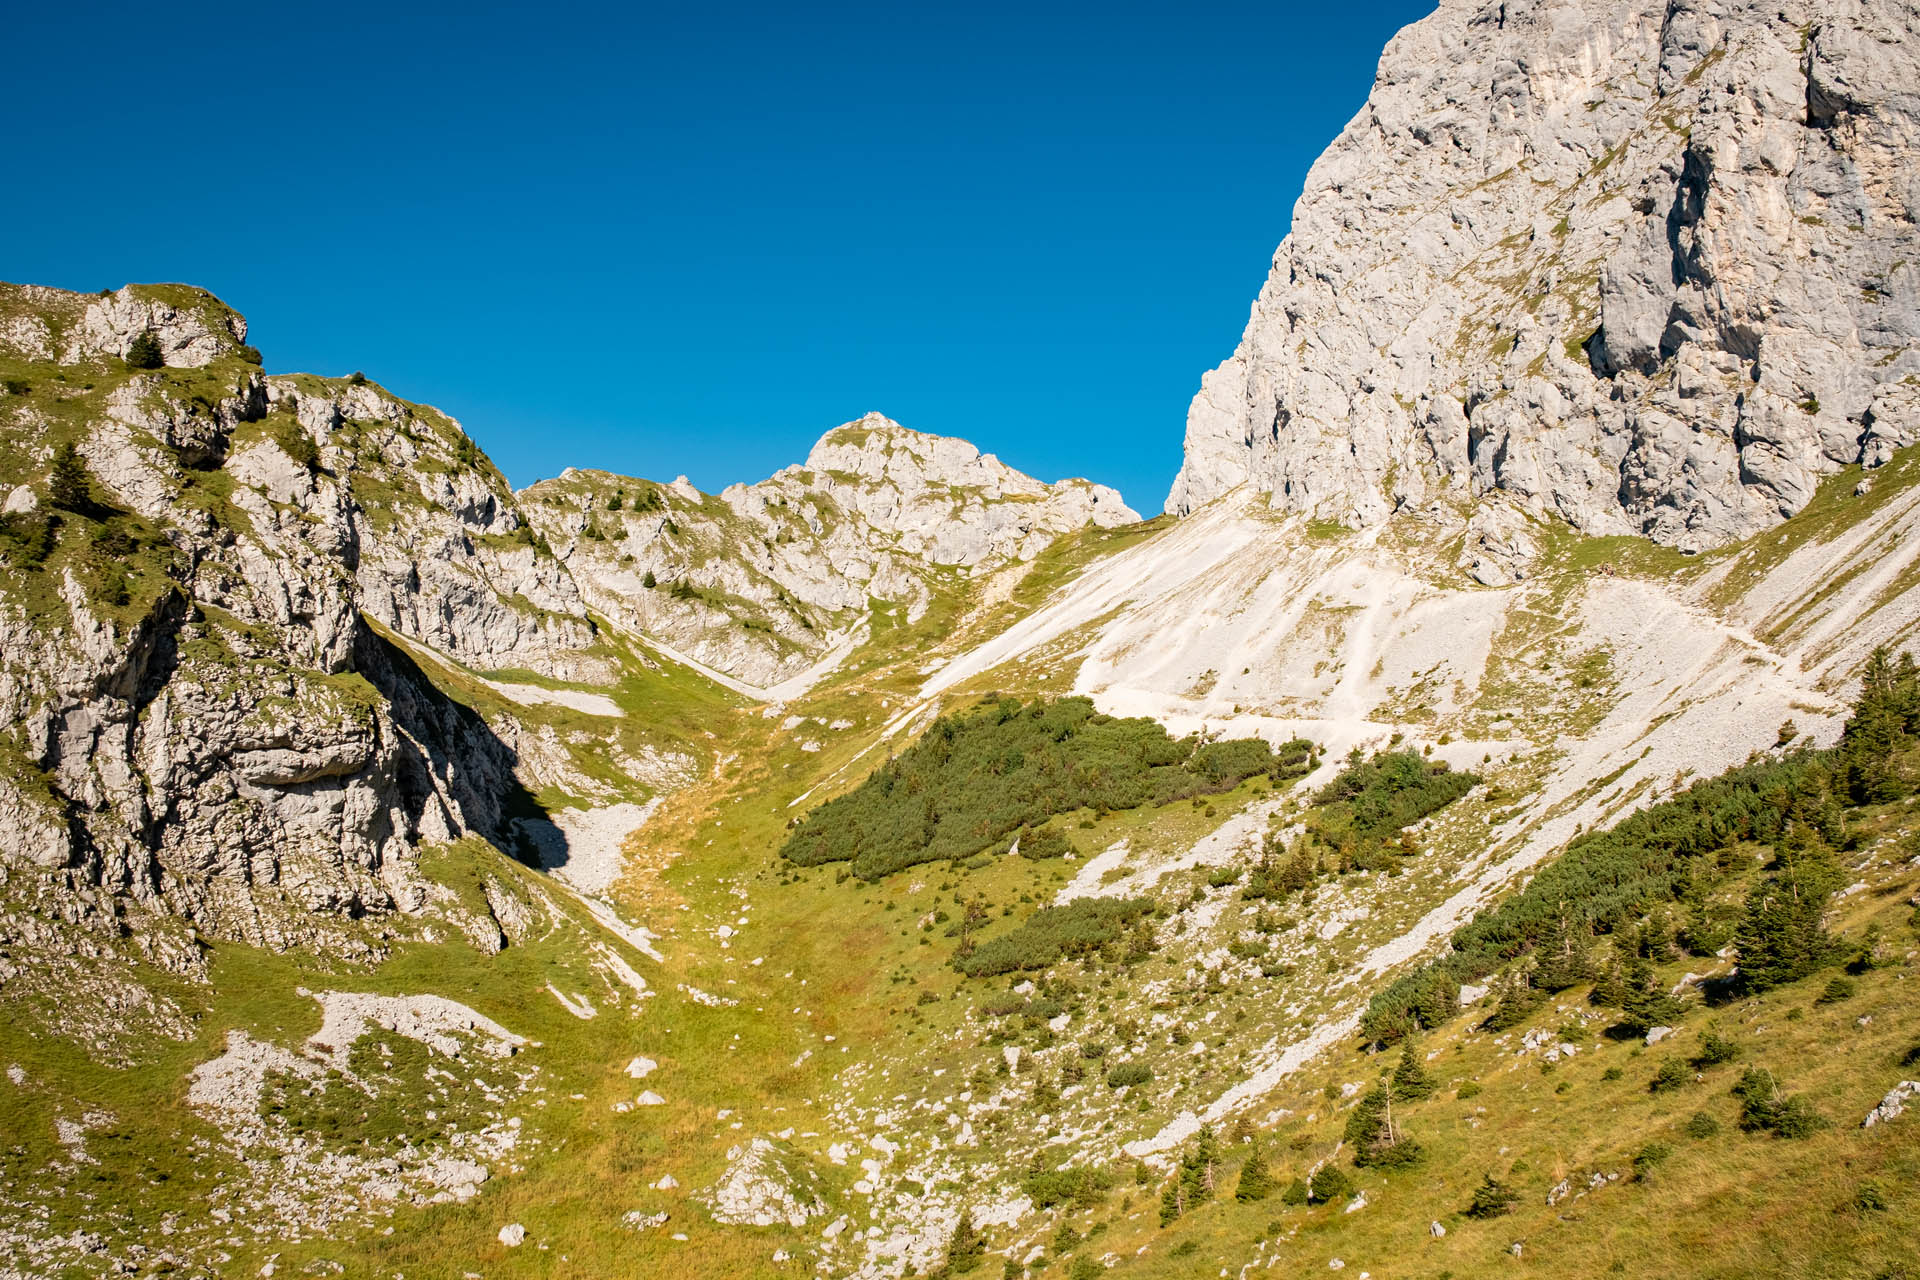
641 1068
512 1235
1656 1034
1893 1105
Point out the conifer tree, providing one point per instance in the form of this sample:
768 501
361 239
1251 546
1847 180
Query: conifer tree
1256 1179
68 486
1884 722
1491 1199
1411 1082
1644 1002
144 351
1781 938
965 1246
1562 960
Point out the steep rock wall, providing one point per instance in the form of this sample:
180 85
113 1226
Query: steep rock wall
1649 265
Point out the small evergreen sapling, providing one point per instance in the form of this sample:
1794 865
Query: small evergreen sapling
1256 1179
965 1247
1410 1079
1491 1199
68 486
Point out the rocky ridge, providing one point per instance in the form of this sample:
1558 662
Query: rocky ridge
225 670
762 581
1643 264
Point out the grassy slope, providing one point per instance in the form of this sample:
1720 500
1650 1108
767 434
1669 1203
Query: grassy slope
849 958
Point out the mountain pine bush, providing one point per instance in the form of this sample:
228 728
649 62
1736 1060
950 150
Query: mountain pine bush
974 779
1606 881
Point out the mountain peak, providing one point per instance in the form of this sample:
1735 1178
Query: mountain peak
1581 255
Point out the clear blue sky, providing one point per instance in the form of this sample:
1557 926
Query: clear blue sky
690 238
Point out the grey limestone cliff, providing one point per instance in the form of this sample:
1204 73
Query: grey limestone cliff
1649 265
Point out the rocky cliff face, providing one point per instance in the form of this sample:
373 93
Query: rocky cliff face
213 662
204 723
1649 265
762 581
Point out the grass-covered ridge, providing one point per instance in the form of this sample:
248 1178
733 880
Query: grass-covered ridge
977 777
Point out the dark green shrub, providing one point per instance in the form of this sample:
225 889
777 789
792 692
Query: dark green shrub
1053 933
1491 1199
1837 990
1044 843
1468 1089
1372 799
1296 1193
1700 1126
1764 1109
16 387
1647 1157
298 445
144 351
28 538
1671 1075
975 778
1715 1049
1328 1185
1081 1187
1868 1198
1129 1073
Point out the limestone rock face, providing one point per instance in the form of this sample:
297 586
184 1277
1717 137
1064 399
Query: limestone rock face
764 580
214 674
192 327
203 725
1649 265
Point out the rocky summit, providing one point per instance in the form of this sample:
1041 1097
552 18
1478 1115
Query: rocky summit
1641 266
1473 831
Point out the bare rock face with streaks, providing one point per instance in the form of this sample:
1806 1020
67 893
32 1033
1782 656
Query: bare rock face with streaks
1644 264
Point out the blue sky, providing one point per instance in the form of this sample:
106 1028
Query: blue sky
691 239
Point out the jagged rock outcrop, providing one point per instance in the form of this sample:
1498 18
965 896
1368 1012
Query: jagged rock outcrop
1649 265
214 669
203 725
762 580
